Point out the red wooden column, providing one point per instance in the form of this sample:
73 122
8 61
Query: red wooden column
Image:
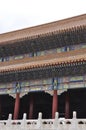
54 103
67 105
31 107
16 108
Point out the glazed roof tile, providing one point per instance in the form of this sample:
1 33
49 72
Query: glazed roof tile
57 26
44 61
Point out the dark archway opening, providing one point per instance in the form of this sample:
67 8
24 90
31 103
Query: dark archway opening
76 100
42 102
6 106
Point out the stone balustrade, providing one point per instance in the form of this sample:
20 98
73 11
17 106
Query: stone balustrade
44 124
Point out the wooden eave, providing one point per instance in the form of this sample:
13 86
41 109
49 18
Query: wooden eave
45 42
44 61
41 30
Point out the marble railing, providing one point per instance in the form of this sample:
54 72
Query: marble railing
44 124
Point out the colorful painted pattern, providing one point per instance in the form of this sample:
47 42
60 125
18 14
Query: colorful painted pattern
45 52
44 85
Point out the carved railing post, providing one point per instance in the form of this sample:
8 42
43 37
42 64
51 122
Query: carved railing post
39 122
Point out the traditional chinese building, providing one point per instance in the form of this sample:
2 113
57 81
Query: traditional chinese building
43 69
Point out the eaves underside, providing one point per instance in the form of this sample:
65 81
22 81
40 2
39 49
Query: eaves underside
45 42
65 58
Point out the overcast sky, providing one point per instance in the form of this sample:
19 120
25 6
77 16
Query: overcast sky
18 14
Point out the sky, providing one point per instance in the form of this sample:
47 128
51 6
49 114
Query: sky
19 14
